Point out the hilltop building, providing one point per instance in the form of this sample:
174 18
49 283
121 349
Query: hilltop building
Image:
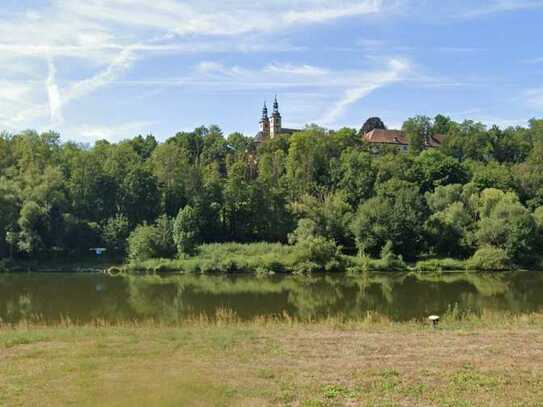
373 132
397 138
272 127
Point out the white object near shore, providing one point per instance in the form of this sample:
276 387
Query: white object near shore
98 250
434 319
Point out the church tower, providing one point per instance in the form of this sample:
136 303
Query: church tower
265 123
275 124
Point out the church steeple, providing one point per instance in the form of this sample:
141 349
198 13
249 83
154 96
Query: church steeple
275 123
276 107
265 123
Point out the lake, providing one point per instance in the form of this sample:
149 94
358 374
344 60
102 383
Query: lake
83 297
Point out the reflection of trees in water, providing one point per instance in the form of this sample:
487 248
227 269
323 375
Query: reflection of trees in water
400 296
170 298
153 297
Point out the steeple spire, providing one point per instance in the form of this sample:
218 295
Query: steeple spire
265 112
275 106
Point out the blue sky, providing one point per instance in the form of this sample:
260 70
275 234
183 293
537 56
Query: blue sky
115 68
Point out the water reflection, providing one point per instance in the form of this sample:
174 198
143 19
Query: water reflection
84 297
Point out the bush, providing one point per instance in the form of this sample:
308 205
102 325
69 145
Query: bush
317 253
446 264
389 260
313 251
227 258
151 241
489 258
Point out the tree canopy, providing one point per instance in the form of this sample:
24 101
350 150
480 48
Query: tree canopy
482 192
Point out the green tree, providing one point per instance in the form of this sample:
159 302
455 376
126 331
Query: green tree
507 225
9 210
397 214
355 176
418 130
186 231
115 232
438 169
331 215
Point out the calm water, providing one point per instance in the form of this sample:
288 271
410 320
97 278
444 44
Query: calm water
84 297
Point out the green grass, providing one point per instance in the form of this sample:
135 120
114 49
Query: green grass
228 258
217 258
445 264
473 360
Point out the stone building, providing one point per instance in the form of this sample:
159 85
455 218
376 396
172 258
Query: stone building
271 127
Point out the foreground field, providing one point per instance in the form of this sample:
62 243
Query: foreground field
477 362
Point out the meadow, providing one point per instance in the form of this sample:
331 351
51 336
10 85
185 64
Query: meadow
491 359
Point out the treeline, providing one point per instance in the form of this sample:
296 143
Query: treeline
479 196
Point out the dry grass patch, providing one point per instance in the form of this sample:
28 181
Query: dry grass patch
257 363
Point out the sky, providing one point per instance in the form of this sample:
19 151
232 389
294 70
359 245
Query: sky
113 69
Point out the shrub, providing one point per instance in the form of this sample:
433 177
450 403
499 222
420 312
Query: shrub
446 264
489 258
317 253
389 260
314 252
151 241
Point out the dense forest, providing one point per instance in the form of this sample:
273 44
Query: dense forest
480 194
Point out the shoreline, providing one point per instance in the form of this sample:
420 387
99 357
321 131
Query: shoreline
173 266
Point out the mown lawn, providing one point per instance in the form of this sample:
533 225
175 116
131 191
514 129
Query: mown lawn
257 363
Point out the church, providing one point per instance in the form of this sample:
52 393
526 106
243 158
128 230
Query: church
373 132
271 127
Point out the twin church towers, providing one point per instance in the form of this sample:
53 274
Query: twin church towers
271 127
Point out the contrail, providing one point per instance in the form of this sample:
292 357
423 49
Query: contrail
55 103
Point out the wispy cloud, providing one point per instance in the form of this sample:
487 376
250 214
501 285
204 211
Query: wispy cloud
89 133
534 98
347 86
325 13
53 93
533 60
366 84
502 6
107 37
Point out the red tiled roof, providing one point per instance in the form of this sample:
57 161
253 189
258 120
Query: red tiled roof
397 137
436 140
386 137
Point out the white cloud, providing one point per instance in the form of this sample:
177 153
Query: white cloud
55 104
302 70
502 6
319 15
89 133
534 98
364 85
118 66
104 38
322 84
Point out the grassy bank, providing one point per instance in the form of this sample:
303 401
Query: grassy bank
89 264
246 258
275 258
480 361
